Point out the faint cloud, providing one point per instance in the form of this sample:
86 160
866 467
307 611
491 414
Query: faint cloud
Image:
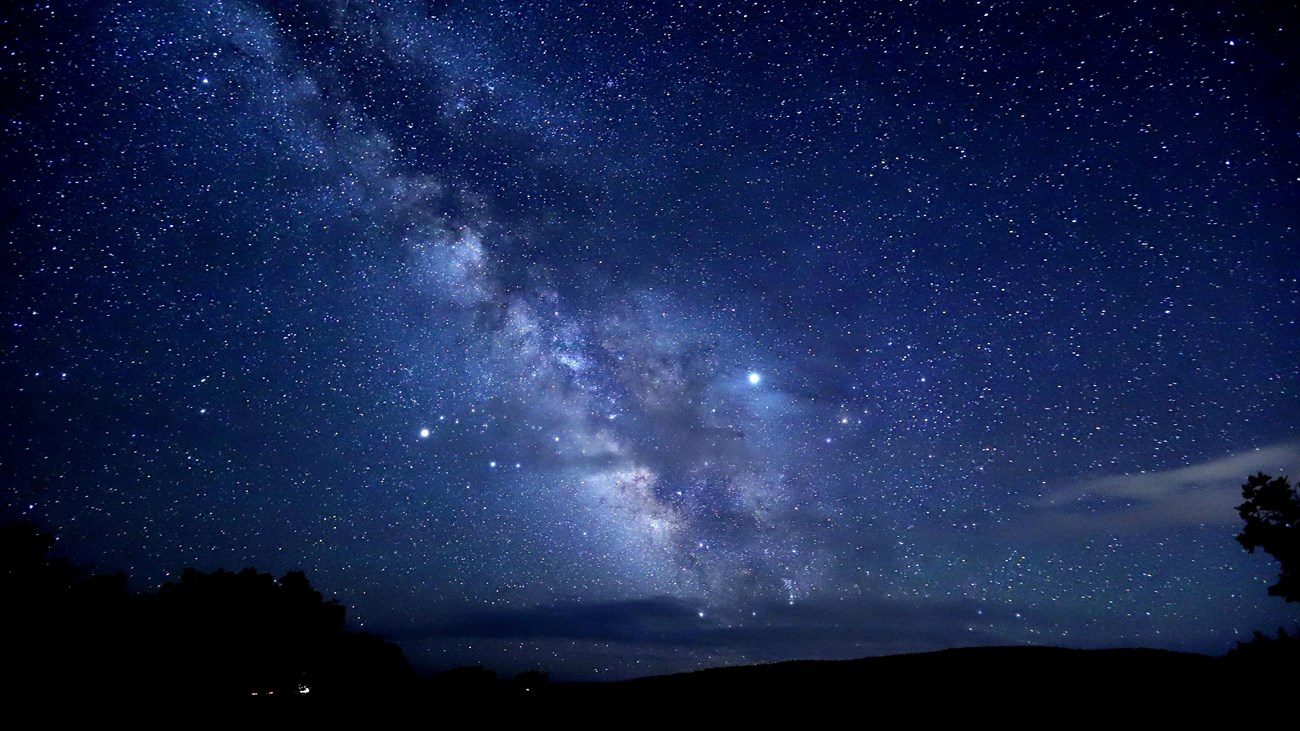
1196 495
818 629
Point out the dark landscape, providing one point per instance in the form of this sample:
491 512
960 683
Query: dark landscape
243 644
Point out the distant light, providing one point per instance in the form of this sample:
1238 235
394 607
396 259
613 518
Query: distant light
424 433
754 378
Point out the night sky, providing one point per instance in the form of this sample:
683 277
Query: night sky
616 340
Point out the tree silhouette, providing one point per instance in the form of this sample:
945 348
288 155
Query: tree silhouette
231 635
1272 515
61 627
217 638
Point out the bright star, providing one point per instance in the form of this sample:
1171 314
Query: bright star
424 433
754 378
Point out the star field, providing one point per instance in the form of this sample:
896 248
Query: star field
615 340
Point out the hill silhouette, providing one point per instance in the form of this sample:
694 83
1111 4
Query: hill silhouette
1042 684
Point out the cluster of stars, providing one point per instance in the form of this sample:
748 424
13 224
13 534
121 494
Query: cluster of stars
704 319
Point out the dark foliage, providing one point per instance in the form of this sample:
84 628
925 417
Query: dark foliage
1272 515
219 638
1262 648
530 680
235 635
61 624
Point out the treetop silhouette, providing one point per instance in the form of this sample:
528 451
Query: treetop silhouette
222 636
1272 515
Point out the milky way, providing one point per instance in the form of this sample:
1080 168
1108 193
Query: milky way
611 341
